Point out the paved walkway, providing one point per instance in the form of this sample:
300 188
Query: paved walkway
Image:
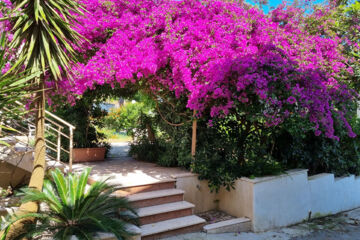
125 171
344 226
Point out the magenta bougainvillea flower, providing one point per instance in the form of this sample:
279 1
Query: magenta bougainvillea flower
218 55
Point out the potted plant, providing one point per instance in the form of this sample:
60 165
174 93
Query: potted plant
87 116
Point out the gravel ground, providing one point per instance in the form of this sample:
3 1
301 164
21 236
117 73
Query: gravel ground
344 226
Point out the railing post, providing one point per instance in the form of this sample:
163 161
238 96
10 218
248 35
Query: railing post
58 154
71 149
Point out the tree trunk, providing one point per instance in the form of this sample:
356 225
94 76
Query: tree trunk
150 132
38 173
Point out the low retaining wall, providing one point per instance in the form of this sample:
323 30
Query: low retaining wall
277 201
197 192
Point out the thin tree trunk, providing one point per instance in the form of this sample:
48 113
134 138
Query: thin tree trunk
150 132
38 173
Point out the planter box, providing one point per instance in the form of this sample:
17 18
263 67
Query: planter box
88 154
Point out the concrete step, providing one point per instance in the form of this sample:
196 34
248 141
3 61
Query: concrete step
153 198
171 227
164 212
161 185
232 225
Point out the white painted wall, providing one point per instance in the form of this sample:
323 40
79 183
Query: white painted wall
197 192
278 201
289 198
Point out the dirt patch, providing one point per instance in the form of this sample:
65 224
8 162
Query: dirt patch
215 216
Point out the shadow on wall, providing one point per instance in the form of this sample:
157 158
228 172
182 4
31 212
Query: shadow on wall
12 176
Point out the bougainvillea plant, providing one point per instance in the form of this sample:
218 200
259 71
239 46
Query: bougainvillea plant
217 53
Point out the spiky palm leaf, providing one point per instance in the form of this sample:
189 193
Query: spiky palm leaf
13 88
73 210
43 32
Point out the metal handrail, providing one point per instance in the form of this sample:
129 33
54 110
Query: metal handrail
60 119
57 127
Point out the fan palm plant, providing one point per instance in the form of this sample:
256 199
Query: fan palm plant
73 210
45 39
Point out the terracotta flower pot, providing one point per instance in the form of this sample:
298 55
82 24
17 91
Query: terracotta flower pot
88 154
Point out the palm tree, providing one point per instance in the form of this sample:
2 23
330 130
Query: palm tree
43 34
44 41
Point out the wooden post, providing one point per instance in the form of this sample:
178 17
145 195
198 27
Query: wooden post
71 149
58 154
193 140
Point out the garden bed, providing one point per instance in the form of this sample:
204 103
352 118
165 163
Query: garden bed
215 216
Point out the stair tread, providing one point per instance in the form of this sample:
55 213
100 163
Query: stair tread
169 225
154 194
164 208
150 182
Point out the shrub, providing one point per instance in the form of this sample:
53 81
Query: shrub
71 209
320 154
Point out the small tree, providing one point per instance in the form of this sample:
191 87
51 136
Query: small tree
45 40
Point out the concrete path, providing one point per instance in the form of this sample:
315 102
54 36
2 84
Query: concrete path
119 150
125 171
344 226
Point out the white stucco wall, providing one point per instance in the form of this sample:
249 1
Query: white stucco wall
197 192
280 201
292 197
277 201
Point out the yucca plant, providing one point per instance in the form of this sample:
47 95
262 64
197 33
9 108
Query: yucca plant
73 210
44 40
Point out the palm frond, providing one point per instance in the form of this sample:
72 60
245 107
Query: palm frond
43 31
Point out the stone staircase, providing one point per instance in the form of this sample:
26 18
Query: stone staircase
162 210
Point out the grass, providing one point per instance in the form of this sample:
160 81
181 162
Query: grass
113 136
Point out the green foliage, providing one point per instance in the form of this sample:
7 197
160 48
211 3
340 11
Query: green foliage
242 145
237 145
87 116
71 209
126 117
343 22
320 154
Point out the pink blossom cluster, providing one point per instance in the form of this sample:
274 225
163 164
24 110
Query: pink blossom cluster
217 54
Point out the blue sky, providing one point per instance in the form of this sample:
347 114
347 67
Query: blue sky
275 3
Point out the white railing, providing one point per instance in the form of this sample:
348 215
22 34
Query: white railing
58 125
55 126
